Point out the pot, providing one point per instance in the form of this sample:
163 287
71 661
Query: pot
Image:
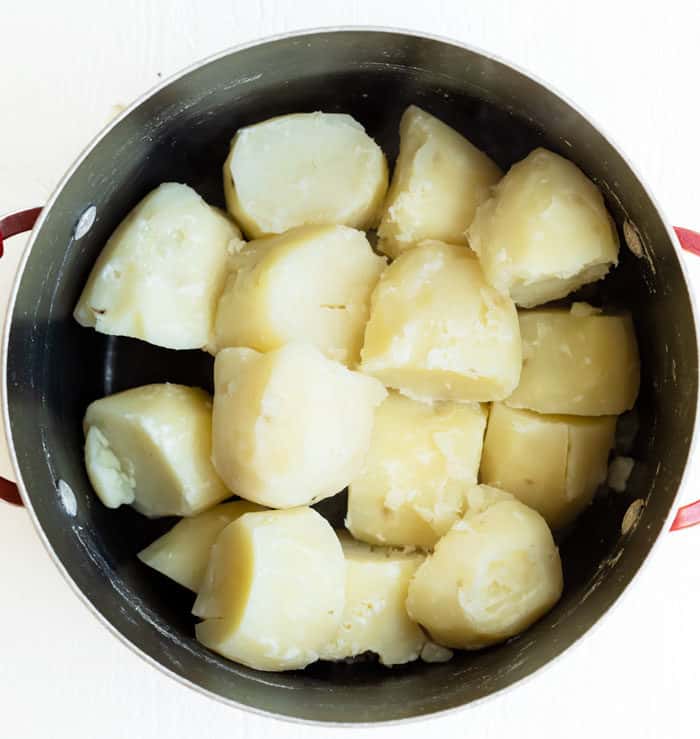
53 368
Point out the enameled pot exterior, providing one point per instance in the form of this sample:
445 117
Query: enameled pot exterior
54 368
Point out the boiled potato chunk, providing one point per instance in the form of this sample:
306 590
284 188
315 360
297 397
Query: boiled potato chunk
304 168
553 464
312 283
375 617
545 232
162 271
577 361
421 460
437 330
439 181
491 576
291 427
274 591
151 447
182 554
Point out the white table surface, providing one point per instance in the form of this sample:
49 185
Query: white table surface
65 67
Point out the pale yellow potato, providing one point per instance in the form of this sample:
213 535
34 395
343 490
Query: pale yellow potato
274 591
577 361
182 554
151 447
311 283
374 618
545 232
422 459
439 180
437 330
491 576
290 427
553 464
161 273
304 168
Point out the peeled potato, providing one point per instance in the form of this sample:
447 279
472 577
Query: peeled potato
491 576
182 554
439 181
421 460
553 464
274 591
577 361
375 617
312 283
162 271
151 447
291 427
304 168
545 232
438 331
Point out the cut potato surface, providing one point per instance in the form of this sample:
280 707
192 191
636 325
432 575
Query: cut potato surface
374 618
161 273
491 576
422 459
437 330
304 168
274 591
553 464
291 427
545 232
312 283
577 361
151 447
182 554
439 181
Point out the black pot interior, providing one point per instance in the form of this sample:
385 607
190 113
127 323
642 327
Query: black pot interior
181 133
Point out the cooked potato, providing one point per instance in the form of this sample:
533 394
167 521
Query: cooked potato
162 271
375 617
553 464
151 447
304 168
439 180
291 427
312 283
274 591
182 554
545 232
438 331
577 361
421 460
494 573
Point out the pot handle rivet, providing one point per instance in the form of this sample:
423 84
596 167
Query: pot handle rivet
11 225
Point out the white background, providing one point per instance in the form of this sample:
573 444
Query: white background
64 66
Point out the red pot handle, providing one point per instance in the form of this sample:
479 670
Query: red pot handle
11 225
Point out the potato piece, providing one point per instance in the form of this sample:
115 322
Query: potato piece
439 181
182 554
290 427
491 576
375 617
312 283
545 232
577 362
162 271
151 447
421 460
553 464
438 331
304 168
274 591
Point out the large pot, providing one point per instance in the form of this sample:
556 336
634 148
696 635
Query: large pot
53 368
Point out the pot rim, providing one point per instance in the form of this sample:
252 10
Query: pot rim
97 139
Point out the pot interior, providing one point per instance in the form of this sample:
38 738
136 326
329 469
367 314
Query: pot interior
181 133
